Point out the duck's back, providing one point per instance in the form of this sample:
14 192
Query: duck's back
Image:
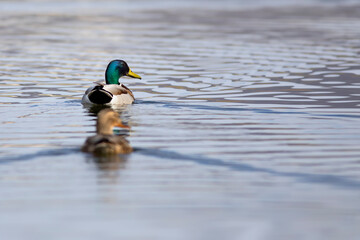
109 93
121 94
103 145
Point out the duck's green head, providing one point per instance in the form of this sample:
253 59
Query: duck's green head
116 69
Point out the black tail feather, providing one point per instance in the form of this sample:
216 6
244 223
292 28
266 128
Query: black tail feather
100 96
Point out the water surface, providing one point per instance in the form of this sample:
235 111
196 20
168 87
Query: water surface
246 122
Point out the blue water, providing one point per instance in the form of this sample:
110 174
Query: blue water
245 124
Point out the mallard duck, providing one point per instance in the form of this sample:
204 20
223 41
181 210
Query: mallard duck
111 91
104 143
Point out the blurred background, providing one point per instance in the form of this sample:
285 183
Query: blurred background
245 125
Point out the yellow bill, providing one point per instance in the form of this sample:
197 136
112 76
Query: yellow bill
132 74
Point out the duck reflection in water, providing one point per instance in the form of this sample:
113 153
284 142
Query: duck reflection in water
94 109
109 164
105 143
